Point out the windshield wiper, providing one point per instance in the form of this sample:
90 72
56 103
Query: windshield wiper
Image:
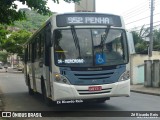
76 40
104 37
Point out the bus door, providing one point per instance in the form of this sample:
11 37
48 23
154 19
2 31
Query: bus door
47 58
39 61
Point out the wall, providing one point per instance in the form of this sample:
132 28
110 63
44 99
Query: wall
137 66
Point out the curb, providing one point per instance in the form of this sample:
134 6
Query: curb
143 92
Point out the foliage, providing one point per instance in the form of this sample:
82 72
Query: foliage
18 34
33 21
156 40
14 44
136 37
9 14
141 46
3 33
3 56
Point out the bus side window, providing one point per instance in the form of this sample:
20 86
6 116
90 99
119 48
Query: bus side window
29 52
47 44
34 53
39 46
38 42
36 48
26 55
42 45
48 35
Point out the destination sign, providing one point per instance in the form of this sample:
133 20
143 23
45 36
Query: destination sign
88 19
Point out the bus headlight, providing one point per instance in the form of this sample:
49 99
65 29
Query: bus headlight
125 76
60 78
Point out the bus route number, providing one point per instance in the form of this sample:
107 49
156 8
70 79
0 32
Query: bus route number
75 20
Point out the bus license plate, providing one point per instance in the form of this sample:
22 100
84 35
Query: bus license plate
95 88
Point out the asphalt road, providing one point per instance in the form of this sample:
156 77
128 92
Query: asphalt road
16 98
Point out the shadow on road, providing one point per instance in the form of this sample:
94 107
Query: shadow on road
25 102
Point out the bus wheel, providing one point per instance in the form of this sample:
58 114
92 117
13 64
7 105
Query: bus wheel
30 90
46 100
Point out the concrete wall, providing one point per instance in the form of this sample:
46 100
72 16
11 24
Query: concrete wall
85 6
137 66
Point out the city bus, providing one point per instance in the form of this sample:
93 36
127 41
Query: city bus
75 57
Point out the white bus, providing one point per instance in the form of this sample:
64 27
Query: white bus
78 56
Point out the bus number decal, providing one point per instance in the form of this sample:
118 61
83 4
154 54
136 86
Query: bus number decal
75 20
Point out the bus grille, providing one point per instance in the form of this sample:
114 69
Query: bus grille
93 76
87 92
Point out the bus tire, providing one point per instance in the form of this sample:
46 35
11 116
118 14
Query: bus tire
30 90
46 100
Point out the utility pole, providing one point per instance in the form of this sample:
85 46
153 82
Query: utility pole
86 6
151 28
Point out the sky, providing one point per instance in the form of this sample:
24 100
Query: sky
136 13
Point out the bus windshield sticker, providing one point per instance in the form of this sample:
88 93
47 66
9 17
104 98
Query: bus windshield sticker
100 58
70 61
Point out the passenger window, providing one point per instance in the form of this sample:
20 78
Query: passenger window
42 45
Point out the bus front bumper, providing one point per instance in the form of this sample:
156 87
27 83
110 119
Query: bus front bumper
74 92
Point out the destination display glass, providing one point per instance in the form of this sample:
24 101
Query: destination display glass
64 20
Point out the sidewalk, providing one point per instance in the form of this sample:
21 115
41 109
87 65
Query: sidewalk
145 90
1 101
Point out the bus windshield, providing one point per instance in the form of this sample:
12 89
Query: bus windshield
90 47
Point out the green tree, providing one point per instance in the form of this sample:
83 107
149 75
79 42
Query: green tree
136 37
141 46
9 14
33 20
3 33
156 40
3 56
14 43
